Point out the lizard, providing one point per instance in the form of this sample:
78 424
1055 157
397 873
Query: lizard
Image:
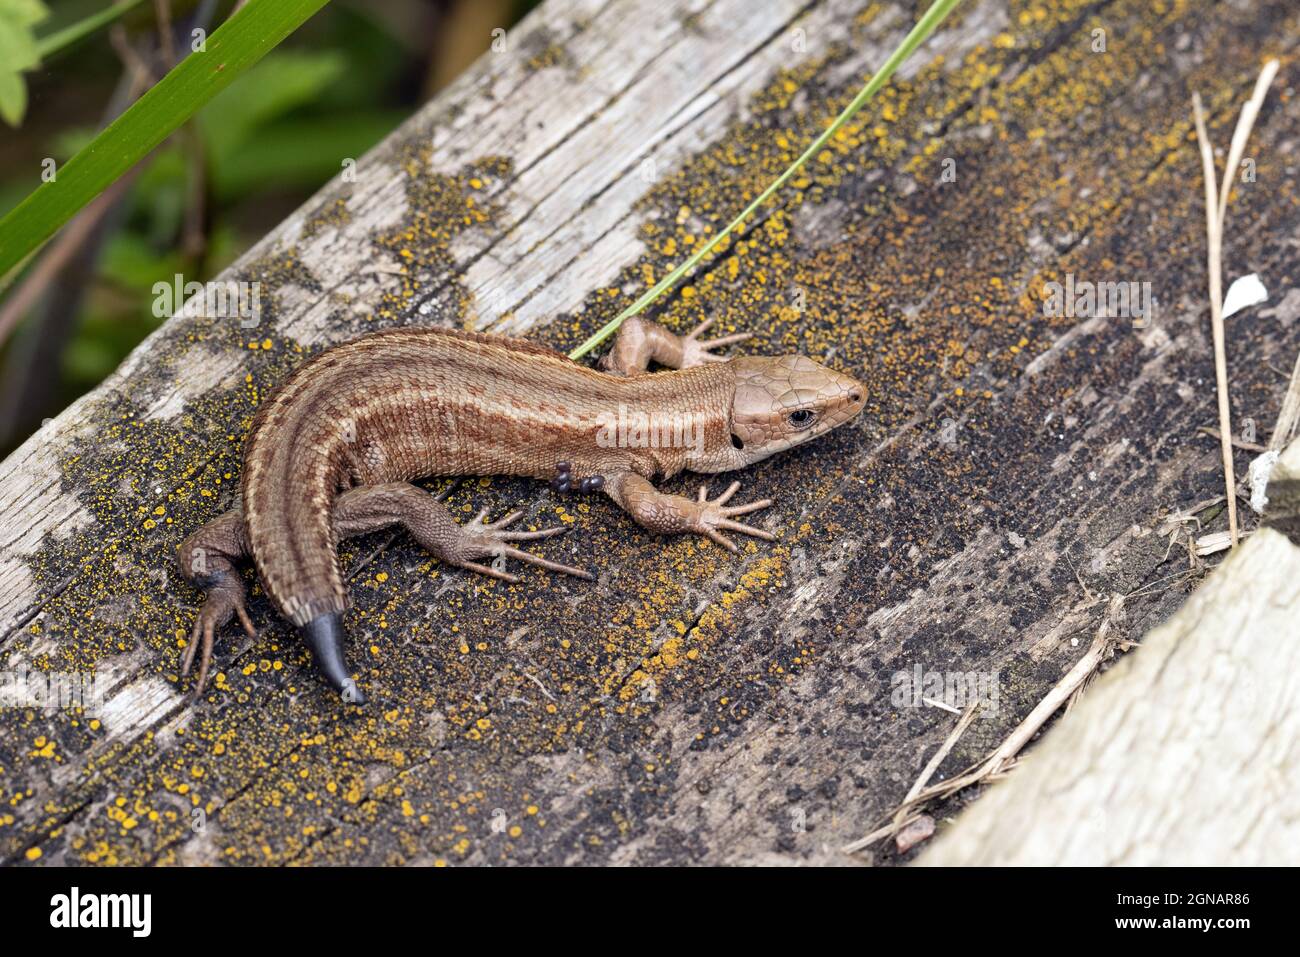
332 454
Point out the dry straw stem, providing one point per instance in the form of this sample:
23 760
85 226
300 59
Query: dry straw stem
902 817
1002 759
1216 209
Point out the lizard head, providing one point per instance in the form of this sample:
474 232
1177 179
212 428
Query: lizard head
784 401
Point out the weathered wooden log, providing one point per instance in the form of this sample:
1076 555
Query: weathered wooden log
1183 753
690 706
1283 491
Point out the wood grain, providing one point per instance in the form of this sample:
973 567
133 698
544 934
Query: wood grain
1183 754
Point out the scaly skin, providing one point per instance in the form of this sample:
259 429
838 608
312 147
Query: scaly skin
332 452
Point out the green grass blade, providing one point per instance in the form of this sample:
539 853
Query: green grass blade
918 35
71 34
236 45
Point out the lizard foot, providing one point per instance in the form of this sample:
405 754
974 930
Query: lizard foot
479 539
223 603
696 352
716 516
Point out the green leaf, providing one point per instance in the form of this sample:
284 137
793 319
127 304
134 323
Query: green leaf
21 50
250 33
17 53
13 98
26 13
17 46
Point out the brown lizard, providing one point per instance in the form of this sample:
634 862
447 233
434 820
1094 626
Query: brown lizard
332 453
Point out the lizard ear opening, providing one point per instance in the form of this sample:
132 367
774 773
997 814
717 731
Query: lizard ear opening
736 441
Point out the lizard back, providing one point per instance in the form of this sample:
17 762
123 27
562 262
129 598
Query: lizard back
408 403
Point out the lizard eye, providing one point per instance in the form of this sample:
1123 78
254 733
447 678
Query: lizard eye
802 418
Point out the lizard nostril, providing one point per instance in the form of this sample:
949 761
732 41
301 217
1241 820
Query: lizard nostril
855 397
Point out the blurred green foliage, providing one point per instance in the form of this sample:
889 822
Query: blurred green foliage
18 20
257 151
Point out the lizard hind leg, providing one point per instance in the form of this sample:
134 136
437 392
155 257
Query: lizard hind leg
206 560
433 527
372 507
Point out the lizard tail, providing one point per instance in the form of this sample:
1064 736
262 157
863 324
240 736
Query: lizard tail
324 635
293 469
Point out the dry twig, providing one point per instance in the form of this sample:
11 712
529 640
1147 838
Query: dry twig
1004 756
1216 209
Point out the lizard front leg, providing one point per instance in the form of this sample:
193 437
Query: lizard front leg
641 341
673 514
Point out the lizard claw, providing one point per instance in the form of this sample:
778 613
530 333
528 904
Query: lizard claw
492 540
697 352
221 605
716 516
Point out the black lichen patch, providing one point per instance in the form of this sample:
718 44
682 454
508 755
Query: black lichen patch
439 208
332 212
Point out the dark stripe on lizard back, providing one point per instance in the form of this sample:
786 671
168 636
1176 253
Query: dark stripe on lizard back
407 403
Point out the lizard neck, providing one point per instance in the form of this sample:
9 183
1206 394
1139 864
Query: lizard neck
662 423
